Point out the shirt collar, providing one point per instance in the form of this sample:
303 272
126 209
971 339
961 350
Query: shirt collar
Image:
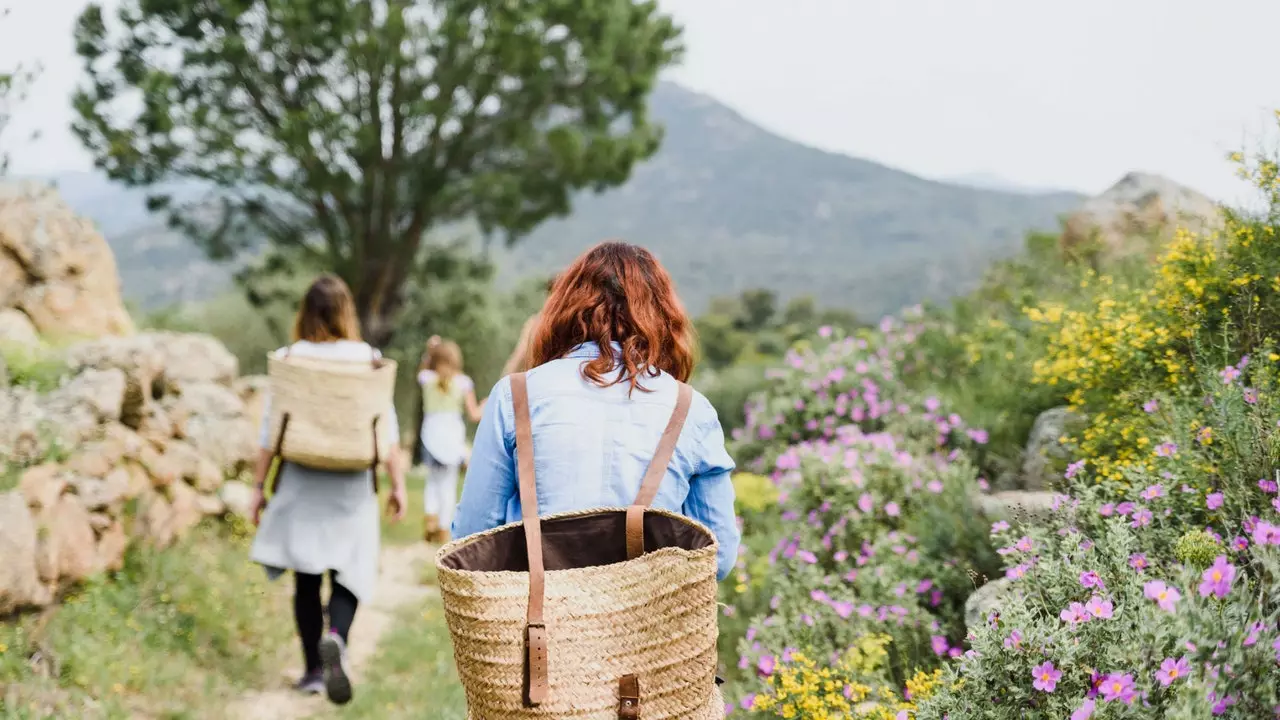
590 351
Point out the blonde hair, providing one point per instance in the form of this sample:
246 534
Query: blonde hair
445 360
327 312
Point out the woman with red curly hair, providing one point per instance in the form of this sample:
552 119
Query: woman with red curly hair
608 354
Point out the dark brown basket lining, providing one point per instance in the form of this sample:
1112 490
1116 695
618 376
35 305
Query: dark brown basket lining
569 543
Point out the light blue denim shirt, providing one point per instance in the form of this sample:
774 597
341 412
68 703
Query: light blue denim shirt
592 447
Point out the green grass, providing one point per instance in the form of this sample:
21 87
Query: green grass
170 636
413 674
39 367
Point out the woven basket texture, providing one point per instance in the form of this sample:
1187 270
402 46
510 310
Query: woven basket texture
654 617
331 407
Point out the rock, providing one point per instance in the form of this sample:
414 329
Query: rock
71 532
100 494
138 357
185 504
96 459
42 485
211 417
192 359
210 505
112 544
155 520
197 470
163 469
20 585
100 522
1137 209
986 600
16 328
69 285
1018 506
1045 454
155 426
252 390
238 497
12 279
124 442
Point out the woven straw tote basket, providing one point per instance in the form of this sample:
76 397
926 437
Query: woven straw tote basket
604 613
329 415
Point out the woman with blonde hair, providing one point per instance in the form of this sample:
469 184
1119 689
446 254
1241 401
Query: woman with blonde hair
323 522
446 393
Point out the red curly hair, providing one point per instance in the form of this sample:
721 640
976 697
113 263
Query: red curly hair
616 292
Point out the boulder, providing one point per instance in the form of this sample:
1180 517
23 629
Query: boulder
985 600
138 357
211 417
191 359
155 520
1045 454
210 505
163 469
42 485
70 531
201 472
20 585
1136 210
68 283
112 543
1018 506
187 510
252 390
238 497
16 328
103 493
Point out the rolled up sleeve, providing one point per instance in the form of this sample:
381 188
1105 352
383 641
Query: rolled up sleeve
711 495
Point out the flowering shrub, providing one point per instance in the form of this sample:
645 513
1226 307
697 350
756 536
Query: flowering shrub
1101 625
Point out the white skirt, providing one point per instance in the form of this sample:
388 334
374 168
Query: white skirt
320 521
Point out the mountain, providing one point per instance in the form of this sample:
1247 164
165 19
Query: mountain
991 181
725 204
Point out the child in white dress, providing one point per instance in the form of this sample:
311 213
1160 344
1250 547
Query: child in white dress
446 393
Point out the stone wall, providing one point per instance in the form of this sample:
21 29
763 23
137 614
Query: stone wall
143 436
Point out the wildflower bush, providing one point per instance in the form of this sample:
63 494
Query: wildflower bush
852 583
1123 341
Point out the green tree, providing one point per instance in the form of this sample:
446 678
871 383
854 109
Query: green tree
758 309
336 133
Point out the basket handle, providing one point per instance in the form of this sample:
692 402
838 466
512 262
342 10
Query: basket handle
535 636
536 682
657 470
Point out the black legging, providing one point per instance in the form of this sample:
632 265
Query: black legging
309 612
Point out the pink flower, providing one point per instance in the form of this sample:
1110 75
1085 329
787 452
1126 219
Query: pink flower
1098 608
1090 579
934 486
1268 486
1107 510
1251 396
999 526
1074 469
766 665
1213 501
1141 518
1229 375
1275 503
1166 597
1017 572
1138 561
1153 491
1014 641
1150 406
1085 711
940 645
1124 508
1166 449
1171 670
1266 534
891 509
1046 677
1024 544
1118 687
1074 614
1217 579
866 503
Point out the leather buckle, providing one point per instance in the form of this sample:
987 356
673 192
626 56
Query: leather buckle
629 698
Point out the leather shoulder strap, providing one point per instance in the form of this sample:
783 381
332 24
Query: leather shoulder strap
656 471
535 630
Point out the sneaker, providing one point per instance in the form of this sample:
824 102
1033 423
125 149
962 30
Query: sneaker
333 655
311 684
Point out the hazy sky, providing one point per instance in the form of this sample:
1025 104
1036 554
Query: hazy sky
1055 93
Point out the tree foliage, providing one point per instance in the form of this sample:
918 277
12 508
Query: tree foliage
13 90
341 131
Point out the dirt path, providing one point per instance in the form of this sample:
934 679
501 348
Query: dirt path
399 583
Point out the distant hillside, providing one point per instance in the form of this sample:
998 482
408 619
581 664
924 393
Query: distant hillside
726 205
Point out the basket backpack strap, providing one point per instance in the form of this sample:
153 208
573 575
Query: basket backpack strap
656 472
535 673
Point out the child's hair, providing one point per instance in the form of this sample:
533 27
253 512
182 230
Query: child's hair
444 358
